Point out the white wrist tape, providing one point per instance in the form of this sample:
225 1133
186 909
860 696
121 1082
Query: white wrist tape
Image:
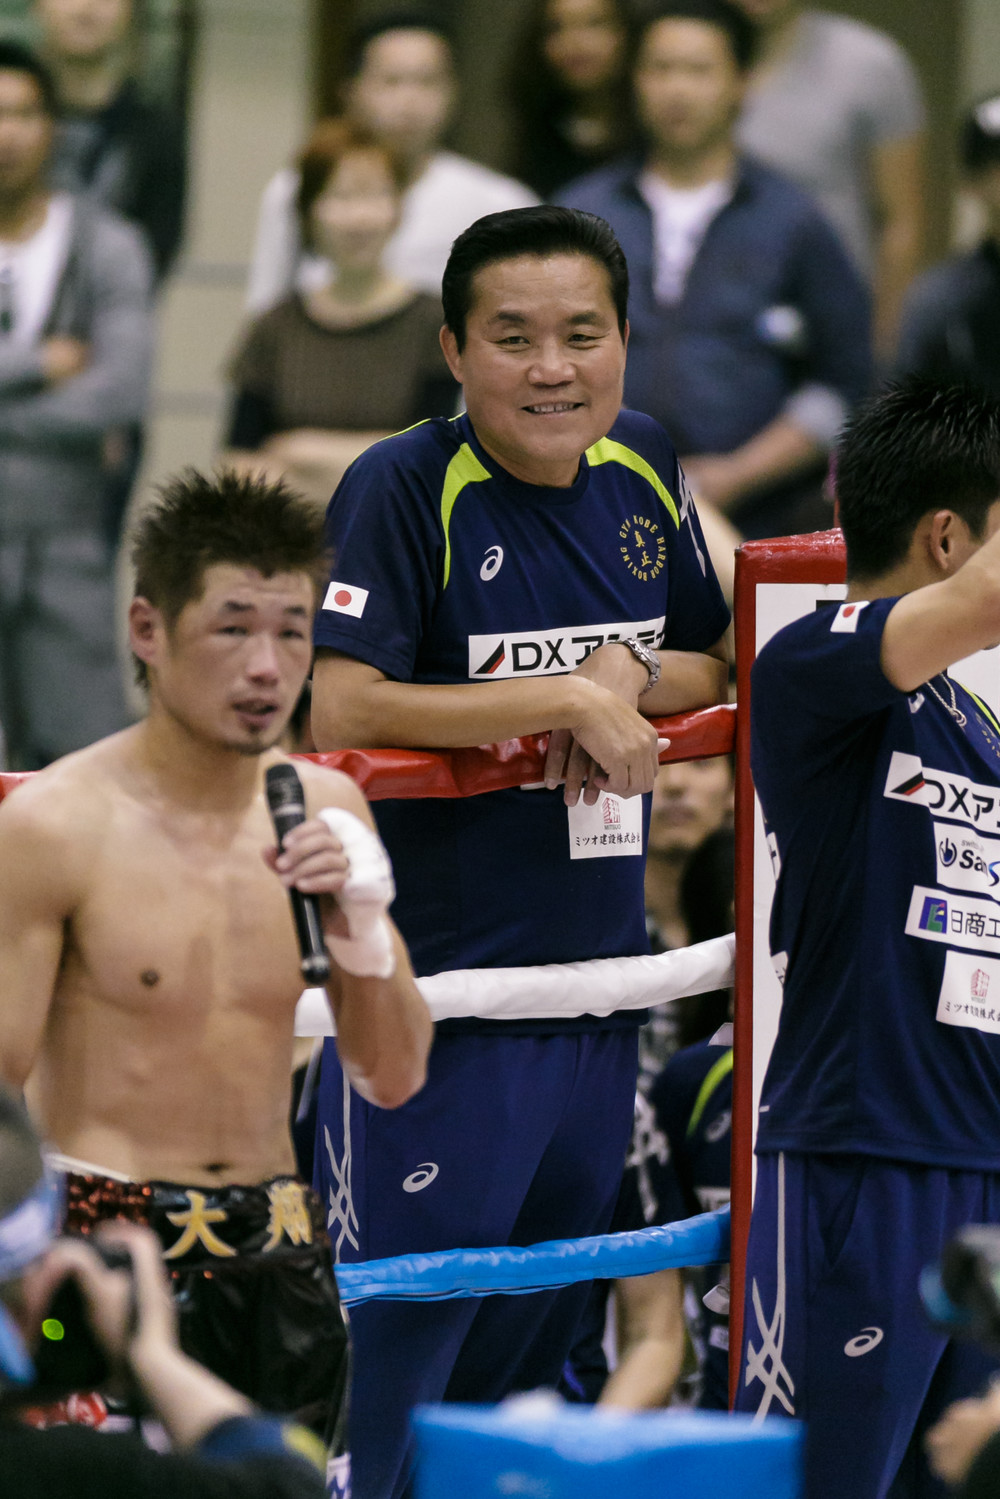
364 898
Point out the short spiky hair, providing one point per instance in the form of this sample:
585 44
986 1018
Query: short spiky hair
915 448
199 521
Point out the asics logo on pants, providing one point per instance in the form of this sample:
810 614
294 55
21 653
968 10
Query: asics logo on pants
421 1178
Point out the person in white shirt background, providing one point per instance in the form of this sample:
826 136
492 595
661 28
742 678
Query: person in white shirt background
400 85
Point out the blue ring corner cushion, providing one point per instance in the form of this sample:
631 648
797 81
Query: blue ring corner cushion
484 1451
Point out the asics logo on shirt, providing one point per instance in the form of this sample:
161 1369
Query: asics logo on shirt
492 563
421 1178
867 1339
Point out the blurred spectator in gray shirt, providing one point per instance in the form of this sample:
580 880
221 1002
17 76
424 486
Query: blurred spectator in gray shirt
120 148
837 107
75 344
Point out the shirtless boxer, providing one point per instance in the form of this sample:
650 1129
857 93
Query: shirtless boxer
148 960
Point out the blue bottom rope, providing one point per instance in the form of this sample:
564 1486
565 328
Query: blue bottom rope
451 1273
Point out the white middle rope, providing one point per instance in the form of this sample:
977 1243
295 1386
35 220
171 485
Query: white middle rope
557 991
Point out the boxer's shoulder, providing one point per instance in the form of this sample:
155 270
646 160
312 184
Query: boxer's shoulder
325 787
53 825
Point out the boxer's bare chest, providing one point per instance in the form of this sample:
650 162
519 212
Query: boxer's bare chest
182 907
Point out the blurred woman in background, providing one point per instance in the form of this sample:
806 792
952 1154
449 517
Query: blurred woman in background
327 372
569 91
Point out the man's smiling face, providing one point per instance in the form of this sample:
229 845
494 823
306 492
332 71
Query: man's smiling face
543 362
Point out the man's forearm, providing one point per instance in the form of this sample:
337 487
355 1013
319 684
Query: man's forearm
384 1032
897 262
778 451
377 713
688 680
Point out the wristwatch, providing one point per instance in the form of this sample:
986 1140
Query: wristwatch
648 657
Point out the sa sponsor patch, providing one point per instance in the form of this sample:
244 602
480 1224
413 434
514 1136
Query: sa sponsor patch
845 621
344 598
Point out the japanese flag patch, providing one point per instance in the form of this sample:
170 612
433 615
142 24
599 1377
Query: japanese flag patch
342 598
845 621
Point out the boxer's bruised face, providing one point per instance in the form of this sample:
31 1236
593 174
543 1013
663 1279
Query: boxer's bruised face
543 363
231 666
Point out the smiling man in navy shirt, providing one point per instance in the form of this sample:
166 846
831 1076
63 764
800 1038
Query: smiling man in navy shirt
535 564
879 777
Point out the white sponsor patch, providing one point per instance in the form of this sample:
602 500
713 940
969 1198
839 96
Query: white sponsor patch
967 860
943 792
343 598
960 920
845 621
543 653
608 829
970 992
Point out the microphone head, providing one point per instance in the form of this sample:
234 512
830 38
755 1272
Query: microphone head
283 786
285 798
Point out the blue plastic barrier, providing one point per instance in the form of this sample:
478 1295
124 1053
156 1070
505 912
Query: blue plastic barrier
703 1240
483 1452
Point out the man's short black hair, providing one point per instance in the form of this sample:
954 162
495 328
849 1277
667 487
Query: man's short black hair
399 18
916 447
15 57
979 139
739 30
544 230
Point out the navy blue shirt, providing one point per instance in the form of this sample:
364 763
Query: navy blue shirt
883 818
448 569
772 304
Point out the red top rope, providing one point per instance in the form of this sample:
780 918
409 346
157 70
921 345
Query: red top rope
383 773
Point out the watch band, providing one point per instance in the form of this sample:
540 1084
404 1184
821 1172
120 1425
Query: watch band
647 656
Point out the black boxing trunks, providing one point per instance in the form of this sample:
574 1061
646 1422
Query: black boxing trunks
253 1282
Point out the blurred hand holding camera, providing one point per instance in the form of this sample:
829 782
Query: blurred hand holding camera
131 1313
961 1434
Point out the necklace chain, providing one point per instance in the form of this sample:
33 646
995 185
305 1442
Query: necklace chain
952 707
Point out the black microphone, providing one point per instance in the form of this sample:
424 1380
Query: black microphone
288 808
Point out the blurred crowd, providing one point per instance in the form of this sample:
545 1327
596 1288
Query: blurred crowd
761 162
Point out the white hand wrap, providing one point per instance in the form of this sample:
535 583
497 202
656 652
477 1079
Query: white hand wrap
365 897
